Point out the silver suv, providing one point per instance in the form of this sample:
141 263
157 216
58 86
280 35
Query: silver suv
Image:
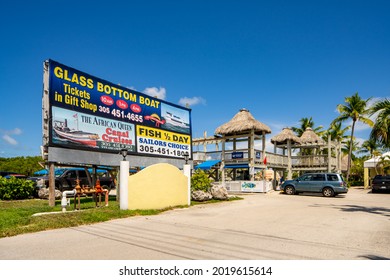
329 184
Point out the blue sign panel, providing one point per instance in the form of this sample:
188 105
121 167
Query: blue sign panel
236 155
90 113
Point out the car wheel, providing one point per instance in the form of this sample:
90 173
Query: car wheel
289 190
373 191
327 192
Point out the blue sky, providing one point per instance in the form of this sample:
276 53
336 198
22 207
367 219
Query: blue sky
282 60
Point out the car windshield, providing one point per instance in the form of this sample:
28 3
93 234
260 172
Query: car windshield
58 172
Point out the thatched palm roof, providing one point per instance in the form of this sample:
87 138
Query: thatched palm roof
284 136
241 123
310 137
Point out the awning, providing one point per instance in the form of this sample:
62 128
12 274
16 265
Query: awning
41 172
207 164
236 166
372 163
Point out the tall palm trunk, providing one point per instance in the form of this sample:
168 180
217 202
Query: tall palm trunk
350 150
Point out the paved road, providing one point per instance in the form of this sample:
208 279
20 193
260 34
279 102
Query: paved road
269 226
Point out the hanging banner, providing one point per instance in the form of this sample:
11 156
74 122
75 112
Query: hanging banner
92 114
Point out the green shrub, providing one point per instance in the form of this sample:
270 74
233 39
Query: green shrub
356 183
14 188
200 181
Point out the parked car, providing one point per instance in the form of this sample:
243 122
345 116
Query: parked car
66 179
329 184
380 183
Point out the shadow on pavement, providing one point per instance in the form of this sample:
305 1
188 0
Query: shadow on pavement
358 208
373 257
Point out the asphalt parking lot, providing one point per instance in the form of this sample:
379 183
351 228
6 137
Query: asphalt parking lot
269 226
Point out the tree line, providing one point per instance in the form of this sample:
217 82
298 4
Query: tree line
22 165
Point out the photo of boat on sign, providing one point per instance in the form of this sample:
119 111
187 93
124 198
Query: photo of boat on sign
175 119
78 130
76 136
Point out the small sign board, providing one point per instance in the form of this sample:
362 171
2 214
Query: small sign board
236 155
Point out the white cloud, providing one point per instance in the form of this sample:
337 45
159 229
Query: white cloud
10 140
16 131
191 101
359 126
7 135
160 92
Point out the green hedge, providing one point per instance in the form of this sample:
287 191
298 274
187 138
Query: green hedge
356 183
14 188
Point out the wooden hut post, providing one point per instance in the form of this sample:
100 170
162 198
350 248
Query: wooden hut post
234 149
223 161
252 155
329 154
263 143
289 165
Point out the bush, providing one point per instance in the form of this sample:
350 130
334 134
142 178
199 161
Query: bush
14 188
356 183
200 181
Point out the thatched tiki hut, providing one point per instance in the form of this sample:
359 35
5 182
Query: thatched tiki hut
310 137
242 127
314 155
285 140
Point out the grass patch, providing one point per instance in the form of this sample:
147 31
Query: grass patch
16 216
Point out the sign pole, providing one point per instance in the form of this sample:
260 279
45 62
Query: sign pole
187 172
123 188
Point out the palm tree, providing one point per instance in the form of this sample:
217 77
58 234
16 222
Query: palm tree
381 128
305 123
355 109
336 132
347 146
372 147
384 162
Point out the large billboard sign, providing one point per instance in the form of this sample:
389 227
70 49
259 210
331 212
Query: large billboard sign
89 113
